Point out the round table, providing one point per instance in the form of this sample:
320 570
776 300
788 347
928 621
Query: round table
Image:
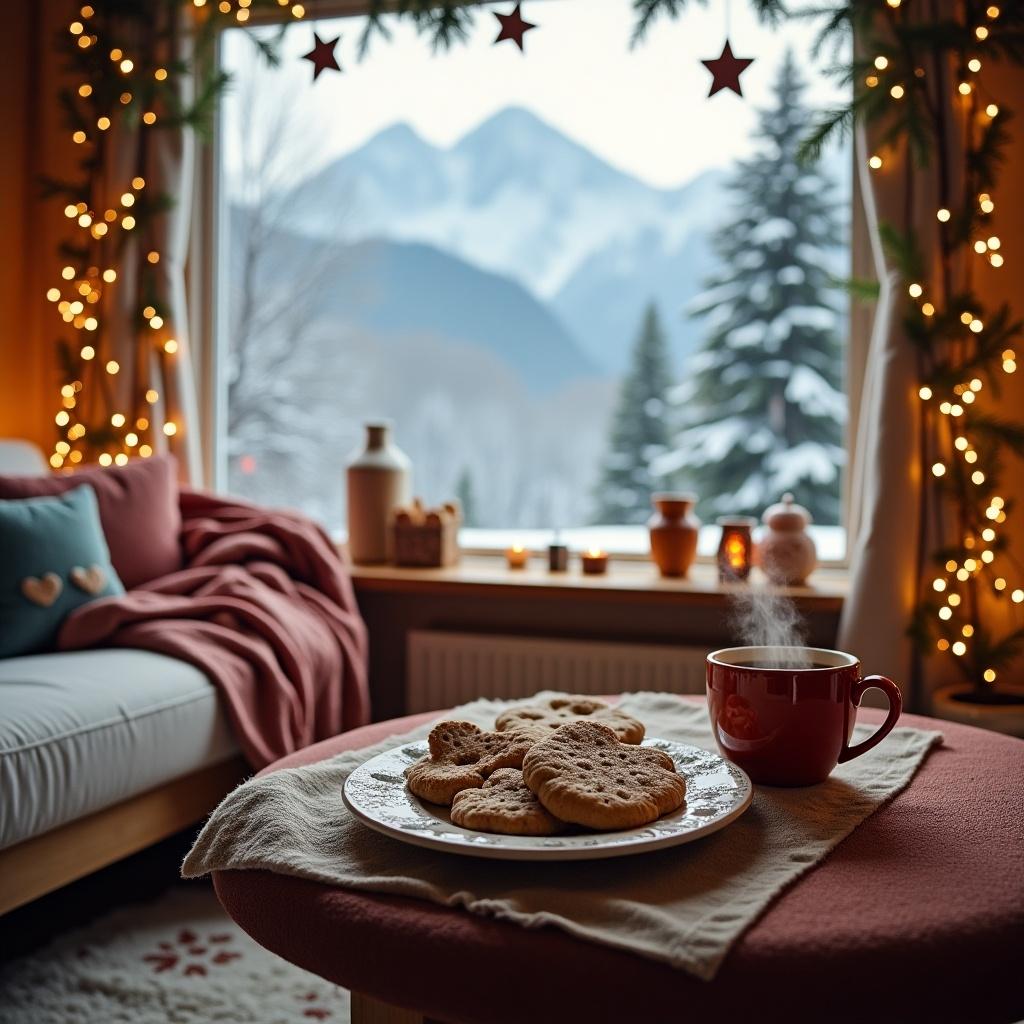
916 916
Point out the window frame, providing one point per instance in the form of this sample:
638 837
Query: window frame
207 317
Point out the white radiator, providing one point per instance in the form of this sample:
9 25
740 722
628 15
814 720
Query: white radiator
445 669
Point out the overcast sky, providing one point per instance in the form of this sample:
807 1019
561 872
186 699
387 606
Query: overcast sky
644 110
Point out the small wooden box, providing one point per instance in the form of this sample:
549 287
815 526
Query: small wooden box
426 538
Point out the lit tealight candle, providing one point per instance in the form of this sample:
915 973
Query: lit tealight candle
517 556
595 561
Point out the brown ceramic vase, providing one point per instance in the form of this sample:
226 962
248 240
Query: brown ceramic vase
673 529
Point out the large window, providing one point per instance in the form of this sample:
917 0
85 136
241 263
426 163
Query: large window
567 276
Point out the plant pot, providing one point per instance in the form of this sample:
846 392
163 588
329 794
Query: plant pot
1005 713
673 530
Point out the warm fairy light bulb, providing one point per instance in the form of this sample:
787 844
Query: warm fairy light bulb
70 211
943 215
968 397
871 81
141 423
964 88
938 469
127 199
980 247
989 675
928 309
138 183
105 459
127 65
1017 596
992 110
170 346
131 439
121 459
988 534
975 384
939 585
69 272
145 451
170 428
981 32
924 393
959 648
993 242
103 123
956 410
974 65
91 323
953 599
152 396
881 63
945 614
970 564
942 644
968 630
128 222
915 291
110 275
85 220
978 477
148 311
62 419
986 204
996 260
160 74
875 162
992 11
945 408
62 447
153 257
971 456
68 391
149 117
117 420
963 575
988 557
87 352
113 366
53 294
84 90
79 137
896 92
156 322
961 444
56 461
242 16
299 11
1009 365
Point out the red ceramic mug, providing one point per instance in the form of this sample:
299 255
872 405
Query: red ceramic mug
787 726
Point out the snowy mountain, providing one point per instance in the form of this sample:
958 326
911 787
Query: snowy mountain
517 197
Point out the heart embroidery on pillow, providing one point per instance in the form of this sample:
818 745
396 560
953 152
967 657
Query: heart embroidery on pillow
43 590
91 580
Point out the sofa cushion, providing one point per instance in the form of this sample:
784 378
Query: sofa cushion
82 730
53 559
138 508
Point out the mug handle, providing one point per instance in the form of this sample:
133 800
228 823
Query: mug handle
892 691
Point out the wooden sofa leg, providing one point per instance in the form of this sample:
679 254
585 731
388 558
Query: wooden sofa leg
366 1010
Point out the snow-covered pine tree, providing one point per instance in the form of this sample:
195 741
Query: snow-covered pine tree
762 411
639 433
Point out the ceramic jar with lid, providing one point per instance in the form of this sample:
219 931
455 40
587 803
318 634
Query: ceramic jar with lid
786 551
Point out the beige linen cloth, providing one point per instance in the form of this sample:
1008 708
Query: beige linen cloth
683 906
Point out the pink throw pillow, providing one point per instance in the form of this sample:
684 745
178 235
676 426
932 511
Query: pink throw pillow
138 510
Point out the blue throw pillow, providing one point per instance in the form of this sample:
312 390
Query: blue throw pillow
53 559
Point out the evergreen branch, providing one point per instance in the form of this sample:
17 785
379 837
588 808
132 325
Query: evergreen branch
1006 432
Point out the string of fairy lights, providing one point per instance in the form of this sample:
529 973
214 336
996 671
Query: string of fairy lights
111 431
978 543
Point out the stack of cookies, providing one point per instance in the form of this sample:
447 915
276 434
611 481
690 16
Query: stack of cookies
572 761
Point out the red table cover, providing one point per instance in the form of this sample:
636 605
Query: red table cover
917 916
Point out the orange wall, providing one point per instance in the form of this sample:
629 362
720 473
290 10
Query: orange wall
29 227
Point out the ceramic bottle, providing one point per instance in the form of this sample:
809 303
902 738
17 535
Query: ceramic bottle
673 529
378 480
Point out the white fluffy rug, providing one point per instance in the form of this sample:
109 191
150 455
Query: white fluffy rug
180 960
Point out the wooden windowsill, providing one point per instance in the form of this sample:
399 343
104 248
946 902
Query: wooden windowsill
637 582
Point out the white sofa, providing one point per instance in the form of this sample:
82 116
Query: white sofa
102 753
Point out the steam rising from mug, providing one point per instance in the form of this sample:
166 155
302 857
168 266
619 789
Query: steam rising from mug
762 617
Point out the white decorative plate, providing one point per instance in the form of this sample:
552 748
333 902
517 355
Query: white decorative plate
717 793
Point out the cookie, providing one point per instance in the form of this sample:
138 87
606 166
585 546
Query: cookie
553 714
584 775
504 804
462 756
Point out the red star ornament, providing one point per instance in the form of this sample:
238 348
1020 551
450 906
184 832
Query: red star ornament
726 71
513 27
322 55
